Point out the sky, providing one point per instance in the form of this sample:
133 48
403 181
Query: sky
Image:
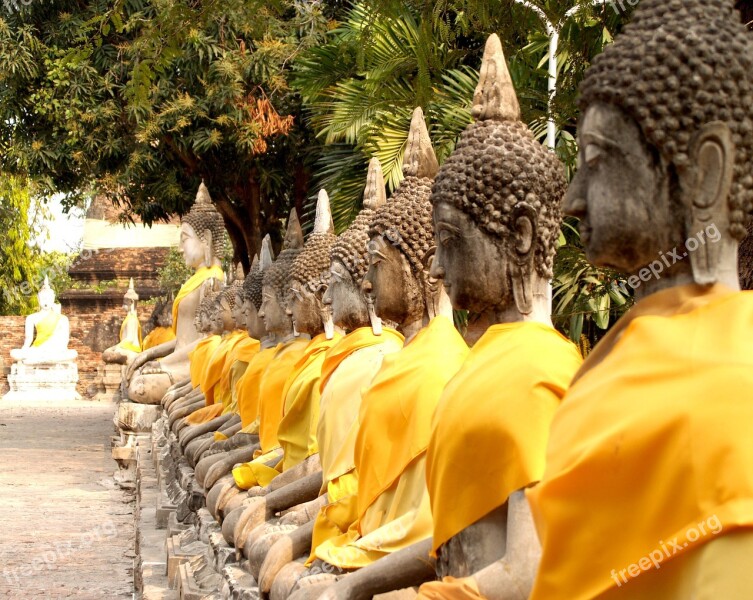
62 232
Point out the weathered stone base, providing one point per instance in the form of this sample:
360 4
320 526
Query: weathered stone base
182 553
47 382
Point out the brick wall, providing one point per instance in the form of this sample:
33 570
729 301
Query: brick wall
91 333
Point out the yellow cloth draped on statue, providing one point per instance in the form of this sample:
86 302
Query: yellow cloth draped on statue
131 320
247 389
199 358
450 588
650 458
216 365
349 367
395 427
271 388
296 433
492 423
45 328
223 393
157 336
211 378
244 352
193 283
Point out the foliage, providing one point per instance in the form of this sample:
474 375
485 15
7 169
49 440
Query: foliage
586 299
174 273
388 56
18 258
138 100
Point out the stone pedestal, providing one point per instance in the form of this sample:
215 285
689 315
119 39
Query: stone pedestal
134 423
108 382
54 381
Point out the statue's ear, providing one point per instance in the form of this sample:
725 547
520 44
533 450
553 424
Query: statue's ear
521 250
208 248
707 185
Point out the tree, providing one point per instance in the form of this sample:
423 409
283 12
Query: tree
19 259
140 100
388 56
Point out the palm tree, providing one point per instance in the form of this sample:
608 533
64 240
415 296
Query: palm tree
388 56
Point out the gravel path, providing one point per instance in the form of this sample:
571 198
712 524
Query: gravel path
66 531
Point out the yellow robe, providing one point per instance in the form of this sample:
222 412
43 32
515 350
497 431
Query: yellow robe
349 368
271 388
157 336
244 352
224 391
210 383
199 358
390 453
193 283
650 459
128 344
492 424
296 433
45 328
247 389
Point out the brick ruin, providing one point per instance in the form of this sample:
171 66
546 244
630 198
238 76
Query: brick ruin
112 253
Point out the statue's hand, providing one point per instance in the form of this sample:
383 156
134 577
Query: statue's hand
152 368
140 359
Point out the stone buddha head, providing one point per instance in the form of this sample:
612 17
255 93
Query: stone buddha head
664 184
237 286
349 258
224 307
204 320
309 277
497 207
131 298
401 235
276 282
252 291
46 295
202 233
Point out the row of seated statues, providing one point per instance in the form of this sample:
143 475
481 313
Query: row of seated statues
350 442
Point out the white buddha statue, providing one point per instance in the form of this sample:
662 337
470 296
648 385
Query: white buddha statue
47 333
130 343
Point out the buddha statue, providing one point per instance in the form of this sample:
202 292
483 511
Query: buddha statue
46 333
223 455
202 242
496 208
296 431
654 431
179 402
214 385
130 332
393 510
348 368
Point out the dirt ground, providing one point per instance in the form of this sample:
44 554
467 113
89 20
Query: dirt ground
66 531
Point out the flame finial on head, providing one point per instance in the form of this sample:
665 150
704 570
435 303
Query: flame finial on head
267 256
293 233
374 195
495 98
420 159
323 222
